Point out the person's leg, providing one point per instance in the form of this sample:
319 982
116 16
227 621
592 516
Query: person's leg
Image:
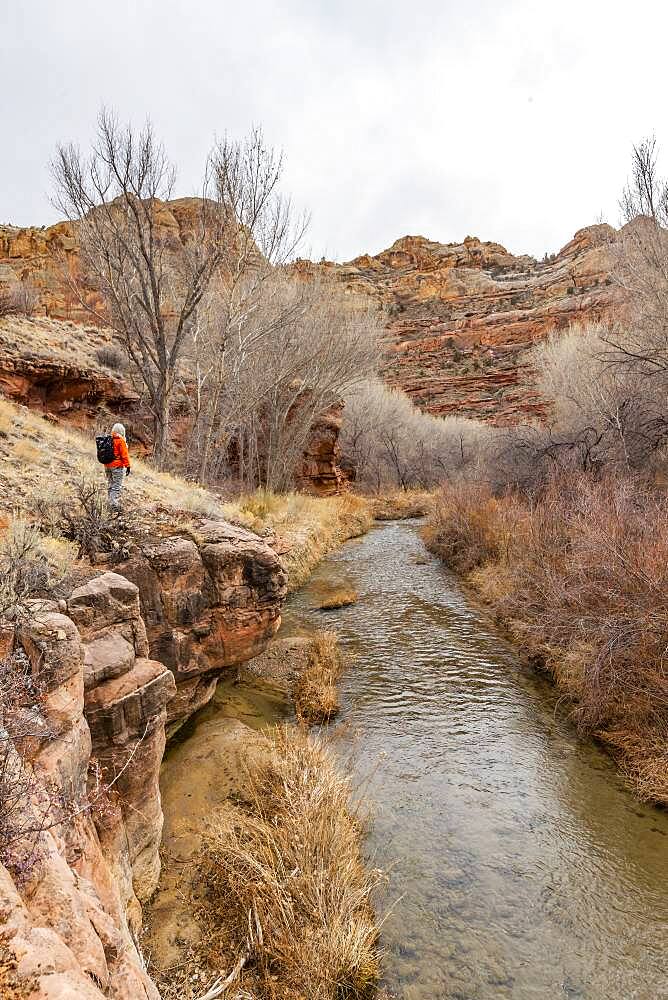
116 477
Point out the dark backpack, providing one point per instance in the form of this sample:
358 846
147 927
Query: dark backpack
105 448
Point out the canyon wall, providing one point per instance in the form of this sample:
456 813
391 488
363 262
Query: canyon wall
461 316
107 670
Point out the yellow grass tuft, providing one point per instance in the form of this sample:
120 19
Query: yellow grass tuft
306 528
400 504
341 597
315 694
288 886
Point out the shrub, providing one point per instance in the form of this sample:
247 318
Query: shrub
18 299
25 805
31 565
86 519
580 575
111 357
391 444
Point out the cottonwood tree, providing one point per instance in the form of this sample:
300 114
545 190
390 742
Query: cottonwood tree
312 345
243 305
641 344
151 279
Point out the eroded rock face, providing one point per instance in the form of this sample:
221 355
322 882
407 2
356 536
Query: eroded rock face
126 695
321 473
101 697
97 738
463 315
208 604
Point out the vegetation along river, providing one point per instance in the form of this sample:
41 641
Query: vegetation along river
524 868
521 866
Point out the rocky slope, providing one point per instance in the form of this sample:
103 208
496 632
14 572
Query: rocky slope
463 315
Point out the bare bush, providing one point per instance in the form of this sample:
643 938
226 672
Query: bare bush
31 565
19 298
86 519
580 575
26 807
111 357
391 443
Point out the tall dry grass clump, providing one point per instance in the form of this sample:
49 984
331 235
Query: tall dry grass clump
579 574
315 693
288 887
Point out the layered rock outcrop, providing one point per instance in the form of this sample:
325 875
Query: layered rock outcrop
91 817
321 473
107 669
210 601
462 316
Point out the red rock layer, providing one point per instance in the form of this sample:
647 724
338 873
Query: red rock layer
463 315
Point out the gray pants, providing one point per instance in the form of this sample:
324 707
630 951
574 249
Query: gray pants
115 479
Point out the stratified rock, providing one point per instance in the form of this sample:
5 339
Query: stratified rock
320 471
125 708
462 316
94 755
208 604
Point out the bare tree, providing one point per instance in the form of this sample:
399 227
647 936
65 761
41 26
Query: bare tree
152 280
234 319
641 344
311 345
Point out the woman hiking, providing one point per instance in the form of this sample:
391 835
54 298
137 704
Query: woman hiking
119 467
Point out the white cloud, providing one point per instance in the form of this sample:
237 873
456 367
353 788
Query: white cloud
510 120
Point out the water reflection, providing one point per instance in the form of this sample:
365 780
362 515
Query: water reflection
526 869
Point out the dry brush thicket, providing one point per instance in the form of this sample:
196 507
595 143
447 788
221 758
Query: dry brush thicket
579 574
391 444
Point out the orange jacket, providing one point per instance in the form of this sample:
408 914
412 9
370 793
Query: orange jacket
122 460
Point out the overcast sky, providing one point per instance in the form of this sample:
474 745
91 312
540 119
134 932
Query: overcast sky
510 120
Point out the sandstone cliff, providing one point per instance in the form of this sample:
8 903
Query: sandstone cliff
461 318
69 921
463 315
107 680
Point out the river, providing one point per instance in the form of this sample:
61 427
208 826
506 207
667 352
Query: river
521 866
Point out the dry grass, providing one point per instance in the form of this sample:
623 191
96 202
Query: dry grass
42 461
341 597
400 504
315 693
580 577
287 881
59 341
305 528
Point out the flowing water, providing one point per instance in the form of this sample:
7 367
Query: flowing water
523 867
